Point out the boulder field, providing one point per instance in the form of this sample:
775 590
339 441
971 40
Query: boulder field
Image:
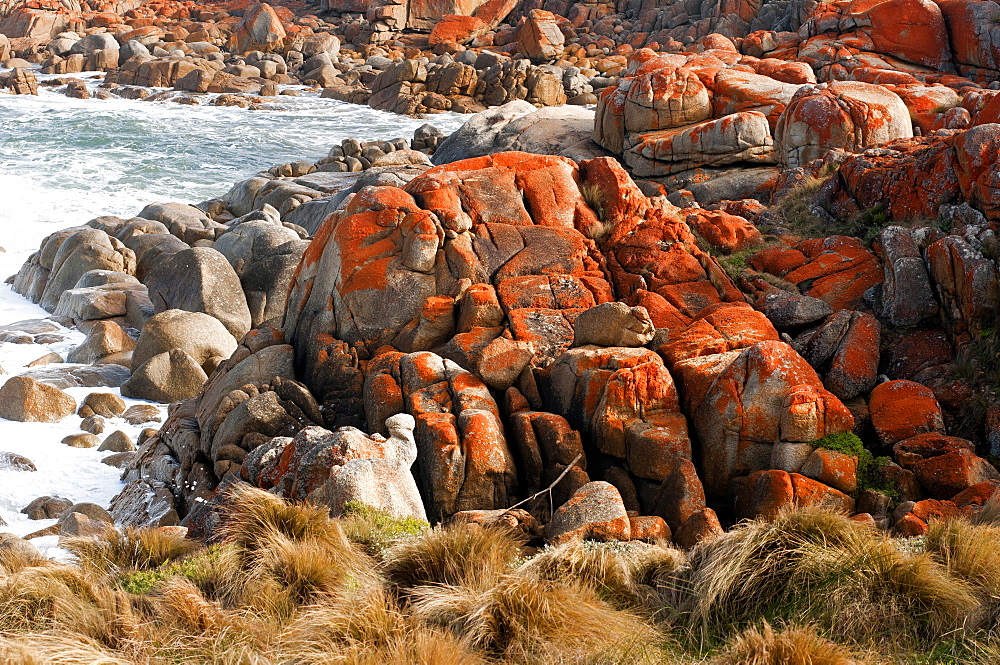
537 339
704 74
760 272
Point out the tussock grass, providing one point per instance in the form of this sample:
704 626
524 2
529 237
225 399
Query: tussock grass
255 517
454 555
182 604
817 566
660 577
602 566
57 648
969 552
595 198
287 586
523 619
370 627
791 646
60 597
283 555
797 212
130 549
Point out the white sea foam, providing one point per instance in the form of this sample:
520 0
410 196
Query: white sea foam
65 161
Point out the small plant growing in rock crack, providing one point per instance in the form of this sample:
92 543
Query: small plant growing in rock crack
595 198
796 209
376 530
869 467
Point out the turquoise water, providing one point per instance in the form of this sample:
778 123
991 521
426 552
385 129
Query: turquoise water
64 161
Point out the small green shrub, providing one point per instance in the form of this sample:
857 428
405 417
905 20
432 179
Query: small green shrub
197 568
376 530
842 442
869 466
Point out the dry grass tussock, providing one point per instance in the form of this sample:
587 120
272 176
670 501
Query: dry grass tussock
523 619
970 553
798 211
791 646
817 566
454 555
129 549
627 576
288 585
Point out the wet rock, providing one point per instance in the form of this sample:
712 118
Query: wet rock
141 413
80 525
16 462
144 503
110 376
93 424
20 81
119 460
26 400
107 405
117 442
46 507
81 440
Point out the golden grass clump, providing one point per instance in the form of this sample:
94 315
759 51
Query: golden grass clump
368 627
254 517
970 552
57 648
289 588
605 567
129 549
180 603
523 619
454 555
659 577
798 212
283 555
60 597
791 646
814 565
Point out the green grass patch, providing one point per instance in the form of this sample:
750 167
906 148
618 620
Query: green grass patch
198 568
842 442
376 530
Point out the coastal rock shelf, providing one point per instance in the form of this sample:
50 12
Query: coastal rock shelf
538 319
774 287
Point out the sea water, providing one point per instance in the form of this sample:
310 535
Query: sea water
65 161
